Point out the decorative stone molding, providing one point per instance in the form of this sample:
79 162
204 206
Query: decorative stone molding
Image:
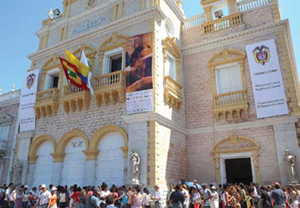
110 88
36 143
63 142
172 88
58 157
90 53
47 103
75 99
91 154
173 93
113 42
233 104
4 118
236 144
98 136
125 151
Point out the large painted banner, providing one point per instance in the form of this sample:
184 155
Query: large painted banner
27 101
139 84
268 88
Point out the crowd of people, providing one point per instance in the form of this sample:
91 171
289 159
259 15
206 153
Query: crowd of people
179 196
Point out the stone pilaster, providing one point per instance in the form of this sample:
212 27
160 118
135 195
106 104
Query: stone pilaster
30 176
90 173
57 173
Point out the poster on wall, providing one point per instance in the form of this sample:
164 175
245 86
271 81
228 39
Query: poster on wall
27 101
268 88
139 83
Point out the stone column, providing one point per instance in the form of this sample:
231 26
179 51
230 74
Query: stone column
57 173
23 151
286 138
30 175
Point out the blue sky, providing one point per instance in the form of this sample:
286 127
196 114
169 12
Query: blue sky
22 18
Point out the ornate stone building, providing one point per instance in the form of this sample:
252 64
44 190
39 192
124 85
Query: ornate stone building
9 126
200 128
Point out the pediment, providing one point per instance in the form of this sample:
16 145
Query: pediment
170 45
227 56
52 63
88 50
4 118
112 41
235 144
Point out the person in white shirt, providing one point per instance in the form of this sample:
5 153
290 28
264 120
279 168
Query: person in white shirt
157 197
44 197
214 201
25 198
103 194
186 195
8 196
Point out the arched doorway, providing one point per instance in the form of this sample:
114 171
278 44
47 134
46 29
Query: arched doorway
74 163
236 152
111 161
44 164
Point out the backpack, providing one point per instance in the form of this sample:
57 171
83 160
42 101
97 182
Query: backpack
248 201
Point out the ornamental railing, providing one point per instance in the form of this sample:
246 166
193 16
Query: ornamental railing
223 23
247 5
110 80
194 21
51 94
231 98
69 90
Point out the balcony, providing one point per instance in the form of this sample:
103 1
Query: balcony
110 88
173 93
194 21
47 103
223 23
75 98
231 105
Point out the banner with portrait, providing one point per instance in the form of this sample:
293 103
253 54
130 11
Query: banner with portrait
268 87
139 82
27 101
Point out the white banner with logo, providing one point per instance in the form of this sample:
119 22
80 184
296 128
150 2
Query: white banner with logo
268 88
27 101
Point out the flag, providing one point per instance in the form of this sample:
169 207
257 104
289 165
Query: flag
83 70
72 74
84 61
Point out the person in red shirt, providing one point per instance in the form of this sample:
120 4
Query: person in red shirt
75 196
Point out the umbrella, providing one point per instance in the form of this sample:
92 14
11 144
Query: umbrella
190 184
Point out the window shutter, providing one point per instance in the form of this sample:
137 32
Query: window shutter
228 79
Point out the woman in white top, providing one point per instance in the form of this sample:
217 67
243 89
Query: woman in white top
214 201
146 198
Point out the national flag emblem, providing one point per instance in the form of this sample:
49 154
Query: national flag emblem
83 70
72 74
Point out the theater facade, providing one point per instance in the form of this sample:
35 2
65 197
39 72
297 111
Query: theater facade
218 94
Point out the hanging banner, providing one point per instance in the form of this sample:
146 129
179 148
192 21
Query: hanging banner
139 84
27 101
268 88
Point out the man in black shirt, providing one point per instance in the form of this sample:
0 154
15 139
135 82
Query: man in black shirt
177 197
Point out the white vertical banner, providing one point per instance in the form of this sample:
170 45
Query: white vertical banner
27 101
268 87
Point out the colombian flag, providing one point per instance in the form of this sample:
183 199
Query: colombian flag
83 70
72 74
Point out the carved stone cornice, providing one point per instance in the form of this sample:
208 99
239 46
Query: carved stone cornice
125 22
